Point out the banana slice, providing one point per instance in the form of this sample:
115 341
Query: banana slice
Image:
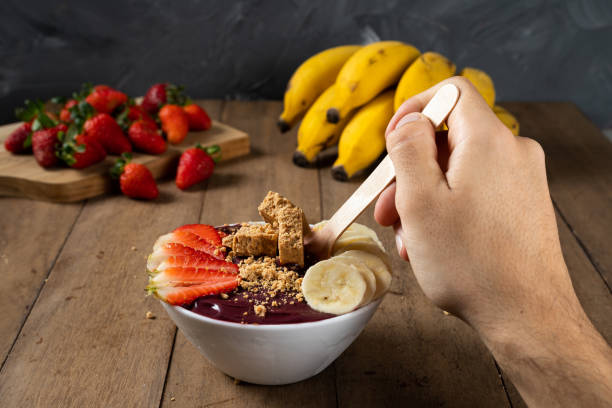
375 264
358 237
365 245
333 286
368 275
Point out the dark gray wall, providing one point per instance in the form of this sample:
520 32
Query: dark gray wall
534 50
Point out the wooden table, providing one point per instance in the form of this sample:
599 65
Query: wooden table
73 330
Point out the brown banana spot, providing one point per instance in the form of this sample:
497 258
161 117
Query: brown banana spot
371 61
353 86
381 51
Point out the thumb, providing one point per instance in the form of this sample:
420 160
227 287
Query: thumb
412 148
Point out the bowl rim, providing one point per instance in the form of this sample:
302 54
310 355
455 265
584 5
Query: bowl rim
276 327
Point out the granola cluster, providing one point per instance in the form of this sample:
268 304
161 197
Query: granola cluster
263 251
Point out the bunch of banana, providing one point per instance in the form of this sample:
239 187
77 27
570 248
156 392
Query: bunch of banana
507 119
315 132
351 278
429 69
368 72
311 78
363 139
342 93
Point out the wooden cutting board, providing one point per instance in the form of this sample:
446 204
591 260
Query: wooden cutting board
21 176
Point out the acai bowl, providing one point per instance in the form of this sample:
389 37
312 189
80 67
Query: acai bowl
256 305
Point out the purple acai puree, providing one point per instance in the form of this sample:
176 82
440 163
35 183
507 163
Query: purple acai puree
232 309
238 307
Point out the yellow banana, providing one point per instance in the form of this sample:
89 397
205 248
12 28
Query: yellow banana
311 78
483 83
363 139
368 72
315 133
429 69
507 119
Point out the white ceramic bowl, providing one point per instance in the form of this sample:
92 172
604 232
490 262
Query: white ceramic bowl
271 354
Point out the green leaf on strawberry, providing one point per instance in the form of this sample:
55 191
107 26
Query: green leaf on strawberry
86 89
119 165
30 110
175 95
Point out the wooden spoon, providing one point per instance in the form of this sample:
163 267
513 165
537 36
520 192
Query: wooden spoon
322 241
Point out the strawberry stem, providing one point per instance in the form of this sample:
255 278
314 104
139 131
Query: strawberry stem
119 165
213 151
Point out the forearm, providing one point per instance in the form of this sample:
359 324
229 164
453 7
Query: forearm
562 362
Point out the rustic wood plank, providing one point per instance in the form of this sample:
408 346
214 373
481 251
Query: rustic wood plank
579 165
590 288
87 341
410 352
232 195
31 235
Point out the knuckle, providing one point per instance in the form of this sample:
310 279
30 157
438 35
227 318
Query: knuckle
462 83
534 149
408 135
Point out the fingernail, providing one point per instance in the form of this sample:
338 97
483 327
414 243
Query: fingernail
399 243
411 117
398 240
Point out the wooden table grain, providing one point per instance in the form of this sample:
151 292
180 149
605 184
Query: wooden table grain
73 331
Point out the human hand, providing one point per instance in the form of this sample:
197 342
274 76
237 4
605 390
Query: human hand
473 214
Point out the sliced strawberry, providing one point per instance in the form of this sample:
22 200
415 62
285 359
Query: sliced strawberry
181 295
189 276
200 237
200 260
173 254
203 231
189 239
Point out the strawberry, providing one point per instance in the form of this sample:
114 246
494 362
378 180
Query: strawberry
198 118
174 122
20 139
93 153
45 143
215 283
136 112
135 179
130 114
154 99
34 112
144 136
160 94
105 99
80 150
195 165
105 130
65 112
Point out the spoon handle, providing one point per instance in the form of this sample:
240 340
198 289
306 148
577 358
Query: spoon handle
366 193
438 108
